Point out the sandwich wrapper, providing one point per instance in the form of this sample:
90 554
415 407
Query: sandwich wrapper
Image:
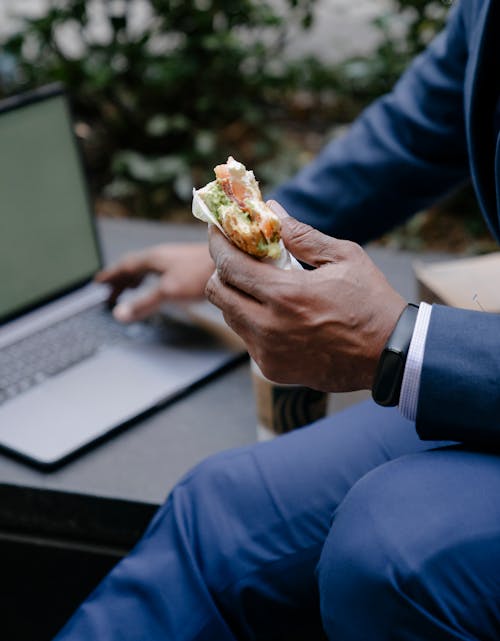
203 213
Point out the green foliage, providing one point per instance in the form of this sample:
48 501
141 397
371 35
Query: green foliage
404 31
160 103
337 93
455 223
164 102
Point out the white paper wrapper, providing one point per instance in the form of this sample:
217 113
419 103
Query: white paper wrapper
202 212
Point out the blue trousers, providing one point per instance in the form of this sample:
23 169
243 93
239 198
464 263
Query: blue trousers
351 529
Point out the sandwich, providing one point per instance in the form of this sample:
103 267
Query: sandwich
235 204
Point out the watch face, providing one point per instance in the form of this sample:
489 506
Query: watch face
388 378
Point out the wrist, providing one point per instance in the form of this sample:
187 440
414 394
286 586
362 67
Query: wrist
386 323
388 377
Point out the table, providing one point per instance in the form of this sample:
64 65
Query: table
61 531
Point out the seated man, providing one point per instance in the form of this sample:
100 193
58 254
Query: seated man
365 525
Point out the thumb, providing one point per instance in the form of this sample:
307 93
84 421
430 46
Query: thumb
303 241
140 308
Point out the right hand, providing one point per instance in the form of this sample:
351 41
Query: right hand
184 270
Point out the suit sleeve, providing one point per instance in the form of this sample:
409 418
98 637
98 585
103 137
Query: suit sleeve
404 152
459 396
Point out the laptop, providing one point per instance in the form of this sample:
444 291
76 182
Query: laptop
69 373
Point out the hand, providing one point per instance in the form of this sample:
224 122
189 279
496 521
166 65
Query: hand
324 328
183 269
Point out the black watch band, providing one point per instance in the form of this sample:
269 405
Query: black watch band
391 365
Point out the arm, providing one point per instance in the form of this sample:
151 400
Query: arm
404 152
459 395
326 328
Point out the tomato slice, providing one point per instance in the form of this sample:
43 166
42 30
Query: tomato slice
221 172
268 228
238 189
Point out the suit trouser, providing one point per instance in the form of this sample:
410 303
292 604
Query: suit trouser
352 526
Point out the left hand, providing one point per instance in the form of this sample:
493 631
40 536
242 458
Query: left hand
324 328
183 271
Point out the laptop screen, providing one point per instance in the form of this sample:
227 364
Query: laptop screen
47 240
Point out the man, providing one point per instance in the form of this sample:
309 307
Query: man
355 528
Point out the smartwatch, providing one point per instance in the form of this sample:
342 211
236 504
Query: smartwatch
391 365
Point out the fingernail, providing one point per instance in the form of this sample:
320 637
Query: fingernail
277 209
123 313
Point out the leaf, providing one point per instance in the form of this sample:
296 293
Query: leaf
205 142
118 23
78 11
183 186
14 44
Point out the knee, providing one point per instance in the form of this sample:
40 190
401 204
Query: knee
210 508
368 557
200 499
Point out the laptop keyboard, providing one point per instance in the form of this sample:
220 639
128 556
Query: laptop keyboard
56 348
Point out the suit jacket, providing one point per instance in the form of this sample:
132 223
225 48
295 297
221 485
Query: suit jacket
432 132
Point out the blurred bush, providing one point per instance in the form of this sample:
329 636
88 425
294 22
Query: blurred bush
455 223
343 90
158 105
404 32
162 103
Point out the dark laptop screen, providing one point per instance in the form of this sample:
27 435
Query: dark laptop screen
47 241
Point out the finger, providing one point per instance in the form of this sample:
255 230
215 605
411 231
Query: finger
113 274
118 288
277 209
304 242
240 270
133 266
126 274
114 295
239 311
141 308
102 276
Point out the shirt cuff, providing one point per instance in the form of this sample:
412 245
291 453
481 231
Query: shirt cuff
410 387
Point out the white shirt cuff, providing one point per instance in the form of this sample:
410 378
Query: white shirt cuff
410 386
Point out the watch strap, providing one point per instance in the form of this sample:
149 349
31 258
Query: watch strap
391 365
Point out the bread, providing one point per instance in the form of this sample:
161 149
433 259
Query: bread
235 201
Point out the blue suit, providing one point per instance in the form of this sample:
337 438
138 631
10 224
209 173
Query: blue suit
435 130
354 528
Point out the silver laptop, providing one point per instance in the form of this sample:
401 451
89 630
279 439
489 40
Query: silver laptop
69 373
